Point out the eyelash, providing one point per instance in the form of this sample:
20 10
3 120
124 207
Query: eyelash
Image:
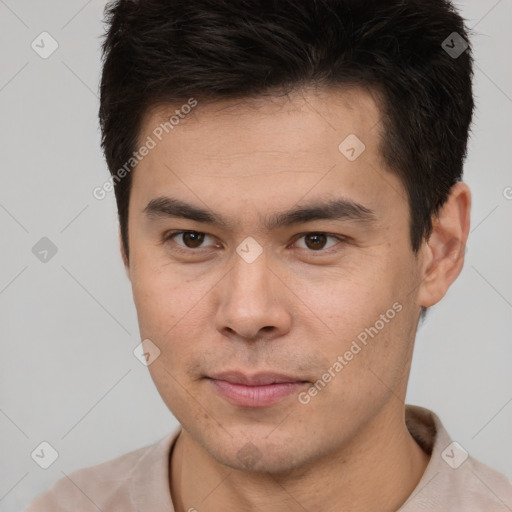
184 250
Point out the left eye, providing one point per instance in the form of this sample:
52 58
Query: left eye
317 241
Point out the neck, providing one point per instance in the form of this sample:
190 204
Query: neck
378 471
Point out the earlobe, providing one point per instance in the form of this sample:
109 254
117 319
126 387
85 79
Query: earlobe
445 250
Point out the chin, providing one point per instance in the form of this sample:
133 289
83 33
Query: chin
261 455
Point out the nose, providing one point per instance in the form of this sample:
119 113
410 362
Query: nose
252 301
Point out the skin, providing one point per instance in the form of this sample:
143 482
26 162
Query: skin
293 310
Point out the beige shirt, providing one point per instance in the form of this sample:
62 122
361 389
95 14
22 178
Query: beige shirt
139 480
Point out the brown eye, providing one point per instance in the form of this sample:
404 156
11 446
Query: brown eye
192 239
316 241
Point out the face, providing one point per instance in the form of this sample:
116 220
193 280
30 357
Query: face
281 336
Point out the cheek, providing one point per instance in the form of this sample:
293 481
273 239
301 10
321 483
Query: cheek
364 330
171 311
155 302
346 301
162 296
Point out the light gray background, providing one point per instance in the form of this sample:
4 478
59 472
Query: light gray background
68 375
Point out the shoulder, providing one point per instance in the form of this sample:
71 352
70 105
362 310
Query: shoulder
484 486
453 480
109 486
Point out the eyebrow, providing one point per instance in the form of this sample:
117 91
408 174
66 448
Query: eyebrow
335 209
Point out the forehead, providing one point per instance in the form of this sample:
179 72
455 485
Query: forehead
268 150
253 121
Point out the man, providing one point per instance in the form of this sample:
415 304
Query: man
288 182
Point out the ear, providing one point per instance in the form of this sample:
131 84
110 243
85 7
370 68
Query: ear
123 253
443 253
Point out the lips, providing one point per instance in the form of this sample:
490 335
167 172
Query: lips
259 390
260 379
